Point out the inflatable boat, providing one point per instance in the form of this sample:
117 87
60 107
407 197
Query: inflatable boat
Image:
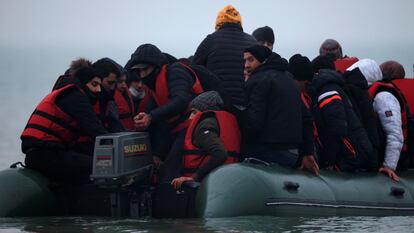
120 187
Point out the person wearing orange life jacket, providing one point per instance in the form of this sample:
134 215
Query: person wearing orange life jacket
56 123
333 49
124 102
390 110
212 139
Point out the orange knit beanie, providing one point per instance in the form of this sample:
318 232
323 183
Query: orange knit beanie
228 14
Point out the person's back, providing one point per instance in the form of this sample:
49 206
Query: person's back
345 143
222 52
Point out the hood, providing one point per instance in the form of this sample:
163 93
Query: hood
146 54
273 62
369 68
355 78
326 76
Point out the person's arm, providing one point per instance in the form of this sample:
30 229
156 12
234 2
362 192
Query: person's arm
77 105
389 113
206 137
114 122
255 114
306 148
180 83
335 123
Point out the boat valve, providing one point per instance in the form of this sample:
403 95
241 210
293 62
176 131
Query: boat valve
291 186
398 192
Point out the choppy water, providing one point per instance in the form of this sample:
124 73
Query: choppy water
239 224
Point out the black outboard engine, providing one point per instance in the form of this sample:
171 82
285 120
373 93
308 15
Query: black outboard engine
122 165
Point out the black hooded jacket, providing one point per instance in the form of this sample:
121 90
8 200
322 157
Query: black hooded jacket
273 116
345 141
222 53
356 86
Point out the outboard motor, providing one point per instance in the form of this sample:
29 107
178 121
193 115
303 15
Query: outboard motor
122 164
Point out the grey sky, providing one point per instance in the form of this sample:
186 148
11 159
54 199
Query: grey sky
364 28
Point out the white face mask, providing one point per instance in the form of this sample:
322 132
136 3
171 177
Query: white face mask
137 94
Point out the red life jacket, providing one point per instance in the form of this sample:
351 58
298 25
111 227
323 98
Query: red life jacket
342 64
307 101
49 123
162 97
406 87
194 157
381 86
126 109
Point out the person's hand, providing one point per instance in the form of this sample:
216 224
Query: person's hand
390 173
142 121
309 163
177 182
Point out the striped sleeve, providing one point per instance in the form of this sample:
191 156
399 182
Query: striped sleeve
327 98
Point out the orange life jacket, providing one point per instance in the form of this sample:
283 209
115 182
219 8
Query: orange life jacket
194 157
49 123
342 64
381 86
162 97
126 109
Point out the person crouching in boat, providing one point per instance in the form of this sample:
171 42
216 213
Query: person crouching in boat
57 122
391 109
272 124
212 139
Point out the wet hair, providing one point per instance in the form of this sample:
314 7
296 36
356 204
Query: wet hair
105 66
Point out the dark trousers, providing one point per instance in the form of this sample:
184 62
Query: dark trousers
282 157
61 166
173 162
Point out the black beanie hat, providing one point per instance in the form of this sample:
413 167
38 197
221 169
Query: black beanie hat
146 54
86 74
331 46
260 52
301 68
264 34
322 62
209 100
105 66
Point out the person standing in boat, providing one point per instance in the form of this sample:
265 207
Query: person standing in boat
391 109
222 52
212 139
272 123
173 87
57 122
264 36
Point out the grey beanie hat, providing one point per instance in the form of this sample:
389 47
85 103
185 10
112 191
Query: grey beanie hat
209 100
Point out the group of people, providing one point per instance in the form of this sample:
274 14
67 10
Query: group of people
233 99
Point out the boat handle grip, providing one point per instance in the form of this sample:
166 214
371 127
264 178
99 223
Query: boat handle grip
395 191
291 186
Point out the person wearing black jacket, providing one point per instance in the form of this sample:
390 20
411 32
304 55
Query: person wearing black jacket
345 144
173 87
272 125
48 146
108 111
222 52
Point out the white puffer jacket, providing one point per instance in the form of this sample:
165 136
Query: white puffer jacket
388 109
